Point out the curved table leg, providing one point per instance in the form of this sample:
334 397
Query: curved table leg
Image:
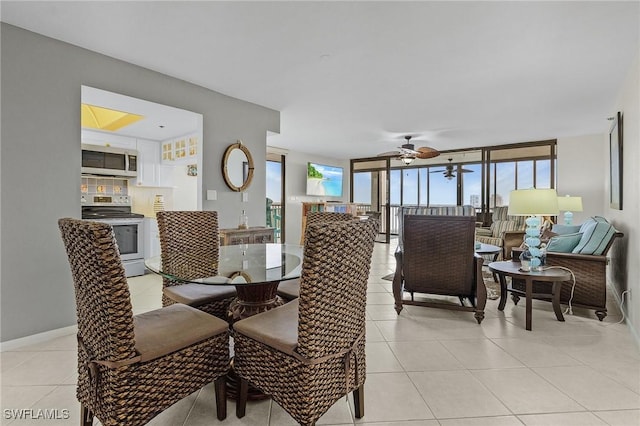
529 302
503 292
557 286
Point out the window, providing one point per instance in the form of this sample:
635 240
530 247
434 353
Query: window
472 186
362 188
410 187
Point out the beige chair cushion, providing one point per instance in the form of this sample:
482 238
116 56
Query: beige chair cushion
160 332
198 294
277 327
289 289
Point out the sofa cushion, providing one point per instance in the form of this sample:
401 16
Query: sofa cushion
564 243
596 234
500 226
565 229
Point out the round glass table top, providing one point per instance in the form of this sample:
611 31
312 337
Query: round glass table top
244 264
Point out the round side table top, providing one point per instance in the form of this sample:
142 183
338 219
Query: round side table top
512 269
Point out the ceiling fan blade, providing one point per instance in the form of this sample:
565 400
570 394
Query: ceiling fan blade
438 171
426 152
466 171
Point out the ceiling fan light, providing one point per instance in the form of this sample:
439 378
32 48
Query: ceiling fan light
407 160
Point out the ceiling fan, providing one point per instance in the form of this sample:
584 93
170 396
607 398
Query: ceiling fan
449 170
408 152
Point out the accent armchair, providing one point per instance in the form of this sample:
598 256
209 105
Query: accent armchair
505 231
438 257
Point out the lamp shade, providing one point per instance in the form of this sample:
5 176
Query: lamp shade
533 202
570 204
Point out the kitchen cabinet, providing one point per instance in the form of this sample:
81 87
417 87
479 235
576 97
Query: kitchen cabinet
150 171
252 235
151 238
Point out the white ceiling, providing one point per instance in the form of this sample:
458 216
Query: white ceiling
159 122
351 78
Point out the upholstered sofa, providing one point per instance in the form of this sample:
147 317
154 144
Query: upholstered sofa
505 231
587 260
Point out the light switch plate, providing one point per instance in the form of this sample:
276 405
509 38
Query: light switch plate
245 197
212 195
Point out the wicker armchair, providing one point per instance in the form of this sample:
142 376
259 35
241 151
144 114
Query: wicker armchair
190 246
310 352
290 289
131 368
438 258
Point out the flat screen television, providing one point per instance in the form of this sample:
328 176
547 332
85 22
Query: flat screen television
323 180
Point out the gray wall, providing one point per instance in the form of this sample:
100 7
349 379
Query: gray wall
40 163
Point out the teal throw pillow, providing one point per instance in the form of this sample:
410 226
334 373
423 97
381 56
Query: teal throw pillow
564 243
595 237
565 229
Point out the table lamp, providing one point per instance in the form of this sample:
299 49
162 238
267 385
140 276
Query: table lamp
533 203
569 205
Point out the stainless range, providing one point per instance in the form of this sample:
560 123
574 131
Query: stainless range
127 227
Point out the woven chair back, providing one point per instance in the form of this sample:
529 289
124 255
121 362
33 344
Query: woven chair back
438 255
189 243
318 217
103 304
333 285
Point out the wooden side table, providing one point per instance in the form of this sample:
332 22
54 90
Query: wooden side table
512 269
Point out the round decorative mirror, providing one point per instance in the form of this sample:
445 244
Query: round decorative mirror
237 166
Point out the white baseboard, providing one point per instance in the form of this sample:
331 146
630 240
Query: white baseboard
37 338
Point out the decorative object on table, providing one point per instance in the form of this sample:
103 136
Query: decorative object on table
615 162
243 221
158 203
533 203
569 205
192 170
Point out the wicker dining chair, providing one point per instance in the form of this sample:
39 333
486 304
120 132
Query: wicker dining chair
290 289
310 352
190 248
438 257
131 368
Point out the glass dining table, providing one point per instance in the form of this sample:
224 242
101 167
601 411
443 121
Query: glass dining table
254 269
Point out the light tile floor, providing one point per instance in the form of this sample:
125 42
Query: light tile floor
425 367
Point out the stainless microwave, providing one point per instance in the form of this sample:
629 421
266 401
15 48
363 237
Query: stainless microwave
109 161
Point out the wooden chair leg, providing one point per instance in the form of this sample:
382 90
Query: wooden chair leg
86 416
243 393
358 401
221 397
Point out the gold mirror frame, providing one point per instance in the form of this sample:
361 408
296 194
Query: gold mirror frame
225 164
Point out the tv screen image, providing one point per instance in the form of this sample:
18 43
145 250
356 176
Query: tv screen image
323 180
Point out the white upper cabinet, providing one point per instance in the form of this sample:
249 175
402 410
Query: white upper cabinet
150 171
182 150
